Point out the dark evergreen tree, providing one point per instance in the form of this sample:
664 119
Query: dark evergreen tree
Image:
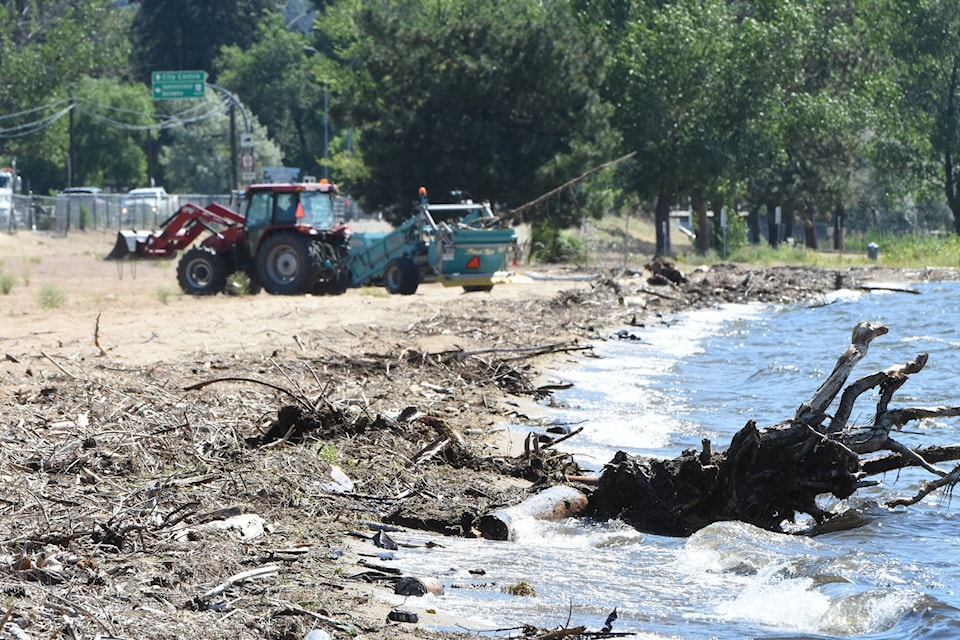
189 34
497 99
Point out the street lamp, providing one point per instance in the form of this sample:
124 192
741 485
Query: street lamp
326 118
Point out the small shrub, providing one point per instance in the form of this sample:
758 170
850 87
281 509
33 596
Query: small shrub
6 283
52 296
238 284
554 245
85 217
328 452
163 295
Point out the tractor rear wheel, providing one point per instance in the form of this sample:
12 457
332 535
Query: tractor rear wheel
202 272
286 264
402 276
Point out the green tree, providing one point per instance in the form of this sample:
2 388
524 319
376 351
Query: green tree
190 34
111 127
926 42
807 137
498 99
277 77
47 48
679 100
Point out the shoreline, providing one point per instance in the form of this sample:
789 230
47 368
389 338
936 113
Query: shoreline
98 423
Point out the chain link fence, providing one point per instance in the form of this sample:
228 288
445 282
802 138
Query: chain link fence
64 213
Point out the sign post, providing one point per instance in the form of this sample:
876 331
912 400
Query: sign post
246 158
178 85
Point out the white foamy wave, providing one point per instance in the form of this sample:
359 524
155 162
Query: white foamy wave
866 612
792 583
575 534
787 604
842 295
745 549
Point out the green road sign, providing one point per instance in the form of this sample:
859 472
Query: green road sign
175 85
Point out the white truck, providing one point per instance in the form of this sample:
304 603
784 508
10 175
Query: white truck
9 185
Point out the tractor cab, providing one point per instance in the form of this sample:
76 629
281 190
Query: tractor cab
307 207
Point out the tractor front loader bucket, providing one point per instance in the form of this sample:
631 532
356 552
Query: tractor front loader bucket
125 248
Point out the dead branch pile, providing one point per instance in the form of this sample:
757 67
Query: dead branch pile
133 505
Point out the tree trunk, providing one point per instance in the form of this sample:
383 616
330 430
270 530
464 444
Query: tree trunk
773 225
703 225
662 218
838 215
753 223
810 232
950 140
768 476
717 207
788 223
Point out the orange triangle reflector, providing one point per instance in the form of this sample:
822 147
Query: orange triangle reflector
300 212
473 263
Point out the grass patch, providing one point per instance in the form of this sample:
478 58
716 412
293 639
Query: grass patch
6 283
374 292
917 251
52 297
895 252
164 294
634 239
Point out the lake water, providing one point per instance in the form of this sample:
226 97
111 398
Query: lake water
704 375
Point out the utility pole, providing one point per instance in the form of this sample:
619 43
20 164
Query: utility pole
247 139
326 116
71 154
326 131
233 147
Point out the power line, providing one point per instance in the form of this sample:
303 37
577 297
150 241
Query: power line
189 115
158 116
29 128
50 105
152 127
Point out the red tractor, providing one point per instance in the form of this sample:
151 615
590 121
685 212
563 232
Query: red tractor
287 240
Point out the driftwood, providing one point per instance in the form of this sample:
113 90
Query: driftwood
556 502
769 476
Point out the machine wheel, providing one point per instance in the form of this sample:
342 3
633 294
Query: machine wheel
286 264
202 272
478 287
402 276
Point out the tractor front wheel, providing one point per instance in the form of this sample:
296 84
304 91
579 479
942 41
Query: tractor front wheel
202 272
402 276
286 264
